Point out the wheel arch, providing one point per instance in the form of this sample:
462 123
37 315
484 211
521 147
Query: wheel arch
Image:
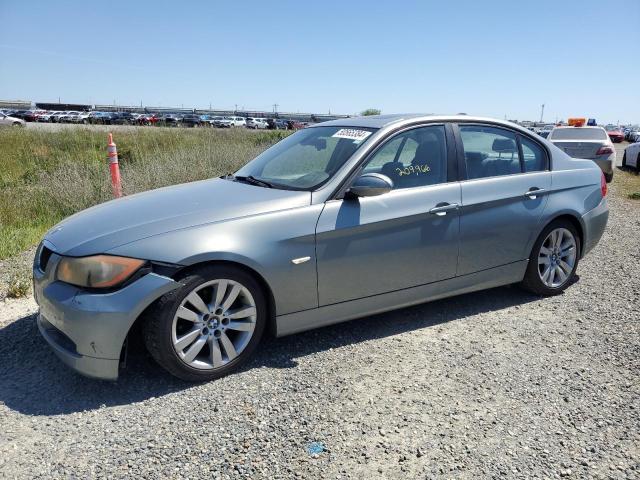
572 218
271 303
134 333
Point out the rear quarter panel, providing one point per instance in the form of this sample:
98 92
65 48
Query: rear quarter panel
575 190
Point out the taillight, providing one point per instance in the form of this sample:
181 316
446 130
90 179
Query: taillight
603 185
604 151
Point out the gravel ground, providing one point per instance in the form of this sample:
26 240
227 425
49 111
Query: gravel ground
491 384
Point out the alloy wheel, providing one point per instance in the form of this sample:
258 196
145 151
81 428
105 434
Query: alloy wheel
214 324
557 258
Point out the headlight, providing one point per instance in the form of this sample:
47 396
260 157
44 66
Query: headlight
100 271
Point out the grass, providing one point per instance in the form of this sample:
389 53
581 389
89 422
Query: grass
19 286
628 182
48 175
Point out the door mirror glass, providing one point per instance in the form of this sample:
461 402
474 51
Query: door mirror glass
370 185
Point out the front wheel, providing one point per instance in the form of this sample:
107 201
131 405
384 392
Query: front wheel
210 326
554 259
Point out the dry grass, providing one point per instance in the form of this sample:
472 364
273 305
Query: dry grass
19 286
628 182
48 175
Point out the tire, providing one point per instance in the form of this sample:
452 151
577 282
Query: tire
624 159
169 324
17 124
608 177
638 164
533 278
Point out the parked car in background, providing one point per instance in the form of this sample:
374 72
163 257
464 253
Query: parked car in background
20 114
546 130
148 119
66 117
12 121
230 122
256 123
276 124
634 133
32 115
45 117
591 143
631 156
192 120
615 133
122 118
57 117
204 268
239 121
99 118
170 119
223 122
215 120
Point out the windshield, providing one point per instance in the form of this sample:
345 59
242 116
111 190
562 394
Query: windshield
578 133
308 158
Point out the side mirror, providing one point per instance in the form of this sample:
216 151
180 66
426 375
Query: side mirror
370 185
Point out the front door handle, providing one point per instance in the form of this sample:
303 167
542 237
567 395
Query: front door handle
442 208
533 193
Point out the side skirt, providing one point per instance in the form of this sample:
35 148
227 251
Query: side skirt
362 307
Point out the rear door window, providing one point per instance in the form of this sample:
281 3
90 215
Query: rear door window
489 151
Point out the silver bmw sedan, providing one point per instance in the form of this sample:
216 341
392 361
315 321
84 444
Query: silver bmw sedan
340 220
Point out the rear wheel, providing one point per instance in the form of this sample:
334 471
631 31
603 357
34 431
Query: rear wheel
210 326
638 164
554 259
608 177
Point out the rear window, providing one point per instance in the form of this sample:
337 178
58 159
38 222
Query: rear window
578 133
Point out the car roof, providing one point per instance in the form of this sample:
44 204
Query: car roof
381 121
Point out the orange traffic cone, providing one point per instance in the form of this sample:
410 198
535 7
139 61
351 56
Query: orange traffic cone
116 186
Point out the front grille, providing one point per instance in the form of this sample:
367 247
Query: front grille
45 255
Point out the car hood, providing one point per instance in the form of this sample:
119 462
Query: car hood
118 222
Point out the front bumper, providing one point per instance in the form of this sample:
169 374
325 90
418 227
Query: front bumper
87 329
595 222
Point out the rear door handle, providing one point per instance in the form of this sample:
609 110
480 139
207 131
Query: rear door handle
442 208
533 193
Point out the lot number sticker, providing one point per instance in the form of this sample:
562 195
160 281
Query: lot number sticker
352 134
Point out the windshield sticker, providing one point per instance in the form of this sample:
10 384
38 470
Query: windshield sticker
352 134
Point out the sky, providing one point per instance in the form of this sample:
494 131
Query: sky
491 57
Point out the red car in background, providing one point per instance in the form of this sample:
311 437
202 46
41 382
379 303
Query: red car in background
615 133
148 119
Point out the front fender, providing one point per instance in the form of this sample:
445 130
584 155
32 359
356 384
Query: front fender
265 243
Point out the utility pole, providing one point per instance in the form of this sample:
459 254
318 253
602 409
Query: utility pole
236 109
541 113
275 108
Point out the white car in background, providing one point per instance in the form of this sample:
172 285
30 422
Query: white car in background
631 157
592 143
13 121
68 117
256 123
229 122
